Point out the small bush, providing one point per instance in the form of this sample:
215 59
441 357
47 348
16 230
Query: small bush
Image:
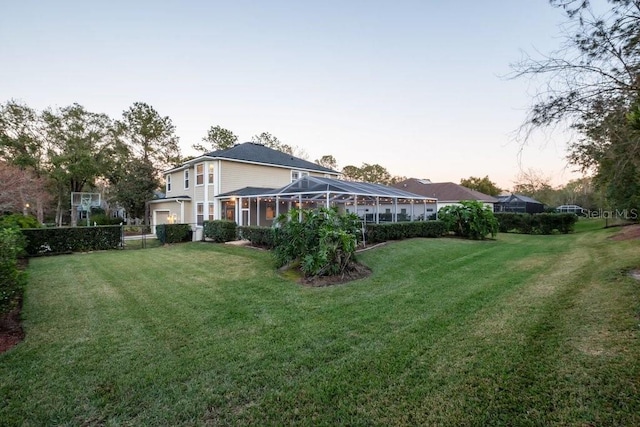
19 220
174 233
470 219
323 242
12 280
220 231
258 236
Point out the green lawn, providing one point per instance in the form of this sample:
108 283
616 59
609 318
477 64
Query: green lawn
523 330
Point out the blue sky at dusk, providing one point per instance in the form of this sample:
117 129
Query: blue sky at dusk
415 86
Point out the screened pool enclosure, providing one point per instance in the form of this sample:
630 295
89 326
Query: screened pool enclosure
372 202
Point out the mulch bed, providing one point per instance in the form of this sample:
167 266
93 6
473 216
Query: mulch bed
354 272
627 232
11 332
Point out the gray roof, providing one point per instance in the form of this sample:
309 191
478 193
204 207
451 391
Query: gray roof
248 191
258 153
517 197
310 185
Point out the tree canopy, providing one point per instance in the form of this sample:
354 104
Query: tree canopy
592 84
217 138
483 185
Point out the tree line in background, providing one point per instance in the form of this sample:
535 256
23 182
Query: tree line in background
47 155
44 156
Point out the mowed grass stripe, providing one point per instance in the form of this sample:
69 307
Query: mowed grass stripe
445 332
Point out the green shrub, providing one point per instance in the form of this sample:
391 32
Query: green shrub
220 230
258 236
45 241
19 220
470 219
103 219
12 279
322 242
541 223
377 233
174 233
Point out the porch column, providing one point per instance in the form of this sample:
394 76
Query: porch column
395 209
327 200
239 212
257 211
300 207
377 209
277 206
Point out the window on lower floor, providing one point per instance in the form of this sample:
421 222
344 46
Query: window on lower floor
199 213
211 211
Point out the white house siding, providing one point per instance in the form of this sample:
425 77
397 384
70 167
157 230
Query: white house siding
177 183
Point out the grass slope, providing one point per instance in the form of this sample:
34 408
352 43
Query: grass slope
524 330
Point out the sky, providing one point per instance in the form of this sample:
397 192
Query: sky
419 87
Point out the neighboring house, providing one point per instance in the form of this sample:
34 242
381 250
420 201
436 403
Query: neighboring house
252 184
518 203
447 193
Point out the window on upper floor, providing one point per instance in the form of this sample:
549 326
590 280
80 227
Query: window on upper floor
210 173
295 175
168 182
186 178
200 174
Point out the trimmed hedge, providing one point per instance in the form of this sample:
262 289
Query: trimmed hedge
258 236
220 231
541 223
12 279
377 233
174 233
63 240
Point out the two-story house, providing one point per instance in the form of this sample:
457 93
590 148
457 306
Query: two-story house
202 188
252 184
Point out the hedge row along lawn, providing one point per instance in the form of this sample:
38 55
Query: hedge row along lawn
523 330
